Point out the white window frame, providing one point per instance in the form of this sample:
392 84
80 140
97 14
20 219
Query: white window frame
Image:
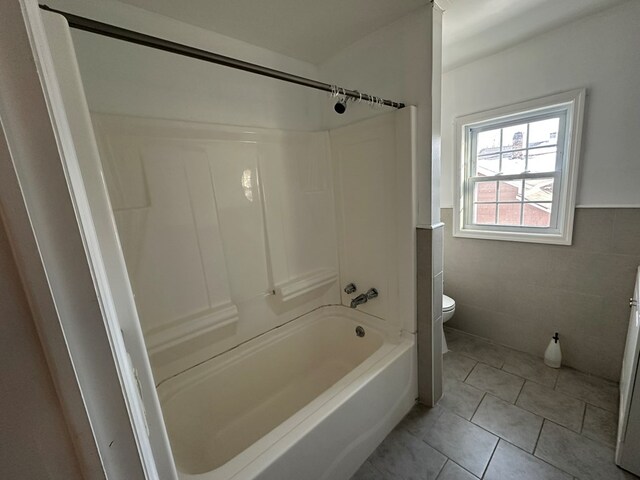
570 105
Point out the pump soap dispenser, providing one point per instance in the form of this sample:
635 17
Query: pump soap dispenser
553 354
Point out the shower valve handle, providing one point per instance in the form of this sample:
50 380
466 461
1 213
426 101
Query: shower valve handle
351 288
371 293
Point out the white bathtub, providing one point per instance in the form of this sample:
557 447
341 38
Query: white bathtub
309 400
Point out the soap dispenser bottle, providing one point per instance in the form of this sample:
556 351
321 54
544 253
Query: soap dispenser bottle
553 354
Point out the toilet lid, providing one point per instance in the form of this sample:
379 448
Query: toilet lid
447 303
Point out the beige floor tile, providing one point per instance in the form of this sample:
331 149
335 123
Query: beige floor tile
512 423
593 390
407 457
577 455
420 419
496 382
457 340
463 442
368 472
457 366
453 471
476 348
553 405
600 425
530 367
510 462
460 398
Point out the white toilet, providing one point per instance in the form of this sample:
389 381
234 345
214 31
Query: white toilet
448 309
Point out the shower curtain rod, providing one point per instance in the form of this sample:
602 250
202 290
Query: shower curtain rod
93 26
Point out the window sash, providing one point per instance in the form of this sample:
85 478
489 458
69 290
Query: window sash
469 201
471 158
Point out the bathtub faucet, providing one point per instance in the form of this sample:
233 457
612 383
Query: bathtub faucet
364 297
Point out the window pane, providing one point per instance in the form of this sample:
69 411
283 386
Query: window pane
537 214
508 214
485 192
484 213
544 132
542 160
513 162
488 166
538 190
514 137
510 191
488 142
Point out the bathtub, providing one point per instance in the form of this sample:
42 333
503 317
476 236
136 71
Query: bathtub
308 400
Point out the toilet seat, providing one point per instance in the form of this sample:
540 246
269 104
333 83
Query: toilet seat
448 303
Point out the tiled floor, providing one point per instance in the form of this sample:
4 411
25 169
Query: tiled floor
504 415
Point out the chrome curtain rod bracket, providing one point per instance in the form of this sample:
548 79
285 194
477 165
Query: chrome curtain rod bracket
107 30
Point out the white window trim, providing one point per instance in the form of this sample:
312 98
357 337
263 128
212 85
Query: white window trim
573 101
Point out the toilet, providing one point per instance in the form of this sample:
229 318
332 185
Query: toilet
448 309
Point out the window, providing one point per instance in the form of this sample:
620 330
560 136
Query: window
517 175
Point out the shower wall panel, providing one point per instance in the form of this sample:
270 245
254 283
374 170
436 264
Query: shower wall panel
374 166
227 232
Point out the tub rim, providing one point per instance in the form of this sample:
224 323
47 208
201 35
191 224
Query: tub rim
394 343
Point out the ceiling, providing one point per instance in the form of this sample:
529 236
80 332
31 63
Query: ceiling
310 30
314 30
475 28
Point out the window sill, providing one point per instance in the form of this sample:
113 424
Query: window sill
526 237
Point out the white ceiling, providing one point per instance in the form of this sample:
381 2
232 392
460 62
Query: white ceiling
475 28
314 30
310 30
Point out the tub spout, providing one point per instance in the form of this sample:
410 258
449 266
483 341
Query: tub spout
364 297
359 300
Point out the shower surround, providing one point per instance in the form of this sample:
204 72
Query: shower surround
231 236
207 236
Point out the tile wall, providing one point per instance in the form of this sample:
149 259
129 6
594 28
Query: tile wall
519 294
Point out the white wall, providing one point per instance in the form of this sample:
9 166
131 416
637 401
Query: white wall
34 436
601 53
163 191
394 62
227 232
123 78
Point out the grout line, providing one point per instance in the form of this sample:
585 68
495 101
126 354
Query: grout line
542 459
470 473
504 440
549 463
468 421
443 465
555 384
535 446
493 452
478 406
468 374
442 469
520 392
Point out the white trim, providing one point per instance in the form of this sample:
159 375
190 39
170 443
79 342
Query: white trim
434 226
49 249
123 441
299 286
31 266
561 232
608 206
577 206
183 330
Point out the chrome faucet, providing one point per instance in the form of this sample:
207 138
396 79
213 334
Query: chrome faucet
364 297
